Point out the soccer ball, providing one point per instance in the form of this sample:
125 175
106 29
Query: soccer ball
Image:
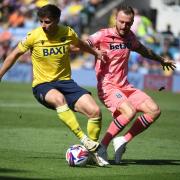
77 155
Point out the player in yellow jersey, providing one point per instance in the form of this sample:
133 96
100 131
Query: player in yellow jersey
52 85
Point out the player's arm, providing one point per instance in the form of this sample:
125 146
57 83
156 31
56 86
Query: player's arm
84 46
150 54
74 49
10 60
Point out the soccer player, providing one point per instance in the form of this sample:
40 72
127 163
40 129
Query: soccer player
52 85
114 90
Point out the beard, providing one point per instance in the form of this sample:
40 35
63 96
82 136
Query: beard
122 32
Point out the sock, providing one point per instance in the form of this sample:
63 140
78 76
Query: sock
94 128
141 124
114 128
69 119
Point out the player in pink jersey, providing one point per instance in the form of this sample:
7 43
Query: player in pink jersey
114 90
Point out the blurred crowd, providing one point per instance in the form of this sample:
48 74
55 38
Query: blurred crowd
17 17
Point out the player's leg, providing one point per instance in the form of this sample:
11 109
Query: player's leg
54 99
47 95
68 117
143 103
122 112
127 113
87 106
80 100
65 114
151 112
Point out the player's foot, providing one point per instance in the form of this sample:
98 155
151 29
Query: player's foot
102 153
119 144
89 144
95 158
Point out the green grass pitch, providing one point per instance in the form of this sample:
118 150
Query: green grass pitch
33 142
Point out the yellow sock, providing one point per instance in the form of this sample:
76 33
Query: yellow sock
69 118
94 128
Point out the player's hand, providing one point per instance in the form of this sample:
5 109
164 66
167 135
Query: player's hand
168 64
101 55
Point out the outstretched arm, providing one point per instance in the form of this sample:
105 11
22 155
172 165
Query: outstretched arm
9 61
149 53
84 46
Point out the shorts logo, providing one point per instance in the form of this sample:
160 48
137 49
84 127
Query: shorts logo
41 97
118 95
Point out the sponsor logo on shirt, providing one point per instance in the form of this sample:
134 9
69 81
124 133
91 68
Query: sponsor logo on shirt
54 51
115 46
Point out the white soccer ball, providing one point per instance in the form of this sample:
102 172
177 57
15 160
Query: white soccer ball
77 155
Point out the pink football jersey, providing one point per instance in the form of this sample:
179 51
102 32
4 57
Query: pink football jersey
115 70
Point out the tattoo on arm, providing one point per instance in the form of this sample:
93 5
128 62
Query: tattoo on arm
149 53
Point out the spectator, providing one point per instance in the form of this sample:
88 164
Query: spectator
112 19
87 14
137 21
5 39
168 34
145 30
73 11
168 31
16 19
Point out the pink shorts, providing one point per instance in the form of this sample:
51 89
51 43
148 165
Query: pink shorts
114 96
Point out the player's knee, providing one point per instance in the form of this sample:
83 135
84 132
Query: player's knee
59 101
129 113
94 112
132 113
127 110
155 111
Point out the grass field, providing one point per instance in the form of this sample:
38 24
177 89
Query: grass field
33 142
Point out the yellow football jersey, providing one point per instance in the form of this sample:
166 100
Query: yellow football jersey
50 55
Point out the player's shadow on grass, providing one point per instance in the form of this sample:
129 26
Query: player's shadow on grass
13 177
162 162
19 178
8 170
89 164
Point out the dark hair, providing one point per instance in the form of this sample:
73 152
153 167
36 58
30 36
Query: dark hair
50 11
126 9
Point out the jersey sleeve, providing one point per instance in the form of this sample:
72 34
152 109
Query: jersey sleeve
74 36
94 39
26 43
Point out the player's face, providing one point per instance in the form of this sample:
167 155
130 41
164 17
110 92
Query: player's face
49 25
123 23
